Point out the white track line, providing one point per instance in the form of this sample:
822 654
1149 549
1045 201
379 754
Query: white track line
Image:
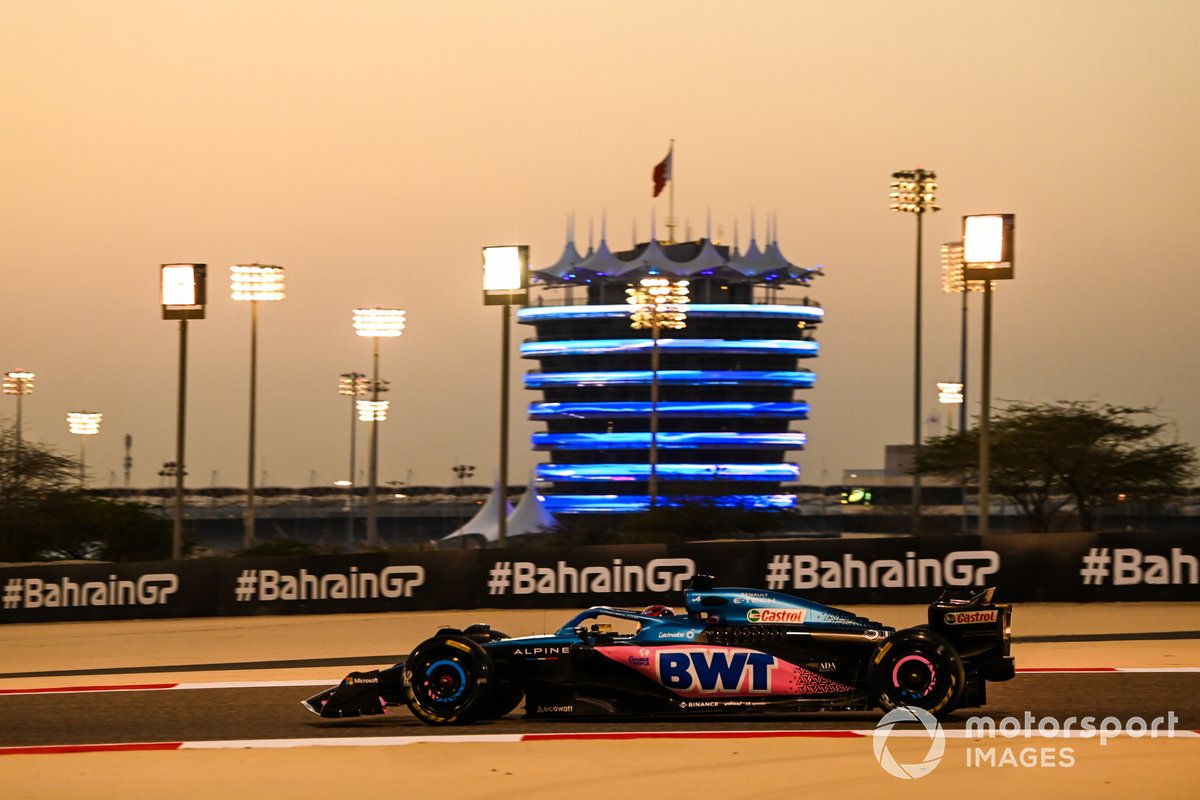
521 738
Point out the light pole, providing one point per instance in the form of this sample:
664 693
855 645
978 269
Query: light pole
987 256
128 461
657 303
376 323
505 283
169 470
353 385
953 281
914 192
183 293
374 412
83 424
462 472
18 382
951 394
254 283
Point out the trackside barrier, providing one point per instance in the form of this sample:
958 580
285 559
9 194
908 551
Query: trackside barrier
1024 567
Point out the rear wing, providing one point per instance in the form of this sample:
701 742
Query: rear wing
980 630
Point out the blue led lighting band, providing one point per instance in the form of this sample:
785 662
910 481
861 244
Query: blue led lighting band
802 379
798 313
561 473
615 504
668 441
614 410
591 347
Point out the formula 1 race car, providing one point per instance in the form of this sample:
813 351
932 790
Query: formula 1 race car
733 651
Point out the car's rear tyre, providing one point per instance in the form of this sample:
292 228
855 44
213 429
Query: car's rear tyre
448 680
506 697
916 668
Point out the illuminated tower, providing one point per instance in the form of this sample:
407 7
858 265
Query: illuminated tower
726 382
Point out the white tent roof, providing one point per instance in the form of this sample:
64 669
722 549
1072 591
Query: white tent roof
708 258
567 263
658 258
486 522
530 517
750 263
601 262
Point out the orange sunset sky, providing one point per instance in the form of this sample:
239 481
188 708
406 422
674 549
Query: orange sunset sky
371 148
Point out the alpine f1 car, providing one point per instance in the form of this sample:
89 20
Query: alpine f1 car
733 651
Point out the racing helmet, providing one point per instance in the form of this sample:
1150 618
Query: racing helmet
658 611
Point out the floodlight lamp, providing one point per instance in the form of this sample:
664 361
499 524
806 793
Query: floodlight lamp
950 393
372 410
382 322
914 191
953 274
179 284
505 274
983 239
658 303
85 423
988 246
182 291
353 384
256 282
18 382
674 321
502 268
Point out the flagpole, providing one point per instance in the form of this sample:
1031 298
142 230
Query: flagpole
671 196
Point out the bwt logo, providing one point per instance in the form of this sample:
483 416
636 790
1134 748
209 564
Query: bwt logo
715 671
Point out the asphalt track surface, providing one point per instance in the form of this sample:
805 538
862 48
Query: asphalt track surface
217 711
111 711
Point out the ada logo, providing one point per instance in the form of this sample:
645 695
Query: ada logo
931 729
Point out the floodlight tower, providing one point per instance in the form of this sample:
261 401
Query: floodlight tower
657 303
254 283
353 385
376 324
915 192
988 255
83 424
18 382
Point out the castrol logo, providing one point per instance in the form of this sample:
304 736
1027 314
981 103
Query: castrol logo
970 617
776 615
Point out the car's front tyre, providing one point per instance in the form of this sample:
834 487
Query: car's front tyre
448 680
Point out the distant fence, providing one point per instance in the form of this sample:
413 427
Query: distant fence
1023 567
